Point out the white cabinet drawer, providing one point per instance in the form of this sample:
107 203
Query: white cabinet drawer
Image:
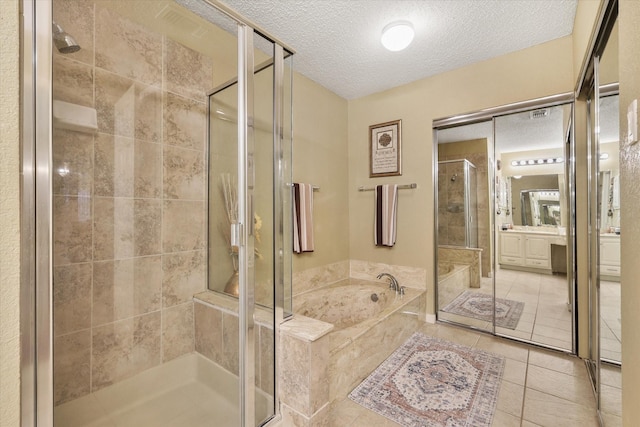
511 260
610 270
538 263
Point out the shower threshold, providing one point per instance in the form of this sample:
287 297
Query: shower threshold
189 391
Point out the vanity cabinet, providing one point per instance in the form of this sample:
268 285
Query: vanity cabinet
528 250
610 256
511 249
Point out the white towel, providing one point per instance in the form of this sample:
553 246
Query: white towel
385 214
302 218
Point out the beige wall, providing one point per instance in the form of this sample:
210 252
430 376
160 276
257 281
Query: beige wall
9 216
583 27
629 36
538 71
320 158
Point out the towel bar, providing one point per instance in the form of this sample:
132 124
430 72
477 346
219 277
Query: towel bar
400 187
315 187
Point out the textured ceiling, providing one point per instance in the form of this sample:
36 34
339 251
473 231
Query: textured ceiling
337 42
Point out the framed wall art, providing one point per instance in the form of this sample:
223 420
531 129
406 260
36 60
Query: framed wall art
384 149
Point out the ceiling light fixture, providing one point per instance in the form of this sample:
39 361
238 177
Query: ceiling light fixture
397 35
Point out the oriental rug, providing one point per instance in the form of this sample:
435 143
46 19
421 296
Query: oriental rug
432 382
480 306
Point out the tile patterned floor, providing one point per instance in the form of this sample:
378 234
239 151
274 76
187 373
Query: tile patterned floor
539 387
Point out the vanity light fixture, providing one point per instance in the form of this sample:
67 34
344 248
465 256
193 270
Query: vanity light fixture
531 162
397 35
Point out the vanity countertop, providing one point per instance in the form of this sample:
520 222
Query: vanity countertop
532 231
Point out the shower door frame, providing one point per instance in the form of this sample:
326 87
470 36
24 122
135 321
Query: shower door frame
467 202
36 289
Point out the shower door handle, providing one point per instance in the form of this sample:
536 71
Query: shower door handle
237 234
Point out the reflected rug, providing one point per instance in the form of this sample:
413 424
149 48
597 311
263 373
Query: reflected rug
432 382
480 306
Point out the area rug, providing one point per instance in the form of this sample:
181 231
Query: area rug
480 306
432 382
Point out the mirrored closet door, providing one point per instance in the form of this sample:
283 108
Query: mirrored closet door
504 212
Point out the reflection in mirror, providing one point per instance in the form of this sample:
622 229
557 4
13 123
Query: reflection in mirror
531 222
464 241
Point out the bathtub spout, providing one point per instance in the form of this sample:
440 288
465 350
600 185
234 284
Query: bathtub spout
393 283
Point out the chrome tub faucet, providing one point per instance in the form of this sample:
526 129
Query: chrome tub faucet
393 283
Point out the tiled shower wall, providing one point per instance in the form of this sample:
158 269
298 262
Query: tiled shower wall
129 200
476 152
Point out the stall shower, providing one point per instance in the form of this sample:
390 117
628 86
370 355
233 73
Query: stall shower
457 203
144 123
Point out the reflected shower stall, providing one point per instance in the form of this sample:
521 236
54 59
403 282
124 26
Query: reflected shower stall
457 203
159 295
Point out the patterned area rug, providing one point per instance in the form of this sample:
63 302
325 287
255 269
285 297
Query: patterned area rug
432 382
480 306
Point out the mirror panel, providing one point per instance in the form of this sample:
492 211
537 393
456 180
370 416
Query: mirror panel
465 287
533 293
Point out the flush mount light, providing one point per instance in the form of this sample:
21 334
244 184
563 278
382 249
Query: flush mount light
397 35
604 156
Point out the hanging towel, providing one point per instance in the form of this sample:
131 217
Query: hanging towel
385 215
303 218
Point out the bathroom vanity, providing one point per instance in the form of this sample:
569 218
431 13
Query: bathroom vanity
529 249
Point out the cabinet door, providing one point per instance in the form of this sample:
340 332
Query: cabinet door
537 247
609 251
510 245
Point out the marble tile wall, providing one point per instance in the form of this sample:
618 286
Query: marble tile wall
129 200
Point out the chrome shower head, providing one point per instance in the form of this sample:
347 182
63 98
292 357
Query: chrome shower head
64 42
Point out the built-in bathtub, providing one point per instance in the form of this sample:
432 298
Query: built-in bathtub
369 322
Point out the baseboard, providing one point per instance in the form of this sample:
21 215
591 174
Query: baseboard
430 318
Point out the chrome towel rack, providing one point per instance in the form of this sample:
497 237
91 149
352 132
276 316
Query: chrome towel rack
400 187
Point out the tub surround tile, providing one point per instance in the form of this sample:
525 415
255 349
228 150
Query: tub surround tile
304 374
72 81
71 298
125 348
124 228
317 277
71 229
71 364
305 328
126 288
413 277
183 173
187 72
128 108
127 48
72 163
127 168
183 226
76 17
184 122
184 275
177 331
292 418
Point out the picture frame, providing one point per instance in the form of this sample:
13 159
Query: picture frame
385 155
